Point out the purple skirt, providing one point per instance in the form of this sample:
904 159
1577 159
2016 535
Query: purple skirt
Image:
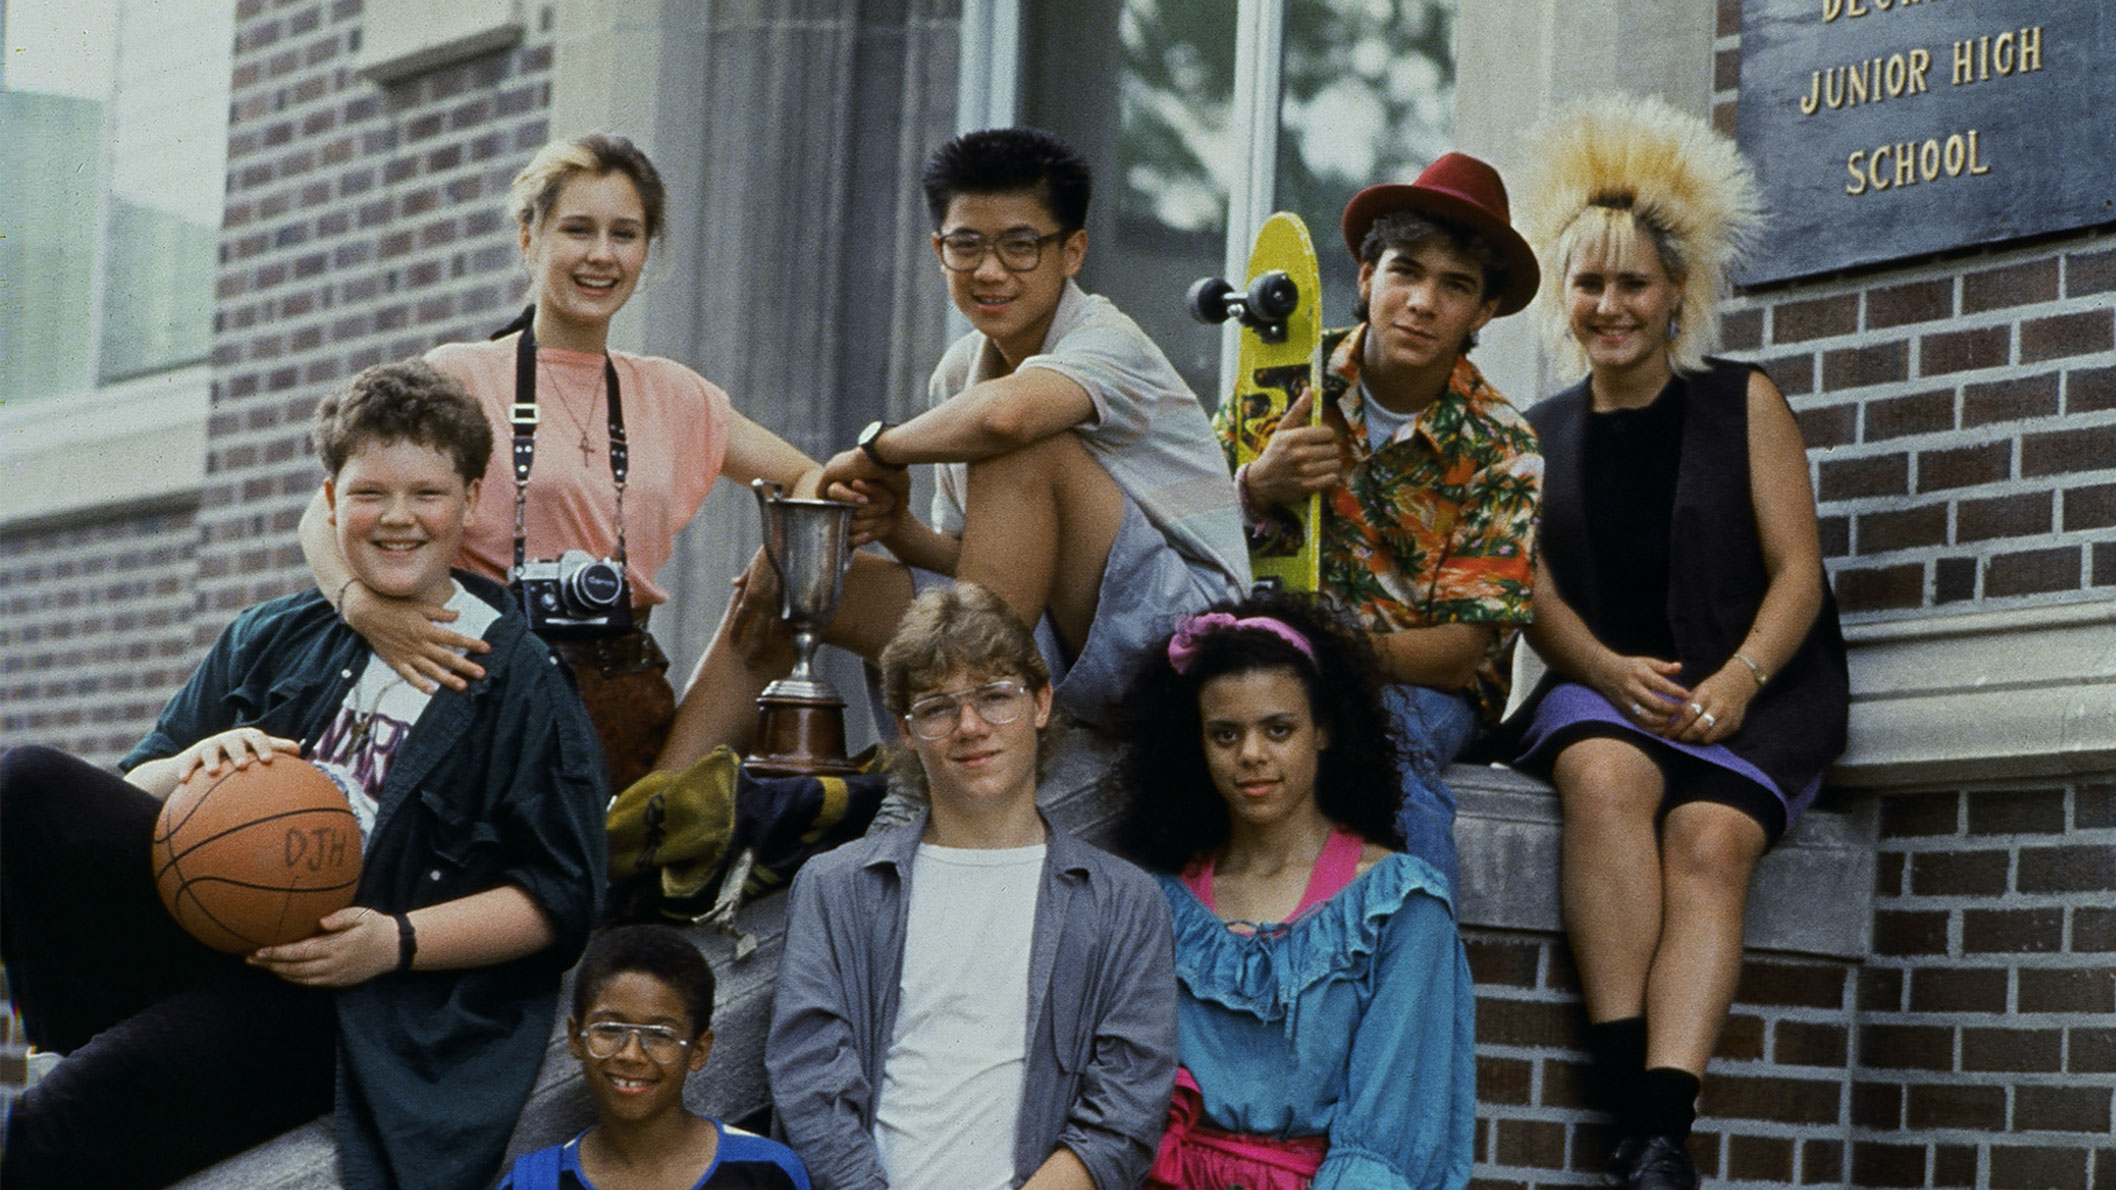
1569 706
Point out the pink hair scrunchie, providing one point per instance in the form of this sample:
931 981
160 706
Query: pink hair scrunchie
1183 646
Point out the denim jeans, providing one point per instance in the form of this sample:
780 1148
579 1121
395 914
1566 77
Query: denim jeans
1434 726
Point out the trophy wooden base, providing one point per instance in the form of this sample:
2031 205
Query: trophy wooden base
799 737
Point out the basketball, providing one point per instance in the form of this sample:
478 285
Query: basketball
256 856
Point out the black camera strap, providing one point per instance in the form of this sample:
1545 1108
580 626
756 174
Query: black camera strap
523 415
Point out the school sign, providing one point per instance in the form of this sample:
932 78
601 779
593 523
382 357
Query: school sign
1883 129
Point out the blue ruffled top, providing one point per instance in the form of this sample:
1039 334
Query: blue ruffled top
1354 1022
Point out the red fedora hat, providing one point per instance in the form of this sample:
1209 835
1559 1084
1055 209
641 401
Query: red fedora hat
1463 190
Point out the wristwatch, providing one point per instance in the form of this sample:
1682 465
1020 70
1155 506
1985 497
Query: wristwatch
866 443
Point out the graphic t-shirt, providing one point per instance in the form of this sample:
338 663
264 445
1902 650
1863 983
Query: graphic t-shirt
377 717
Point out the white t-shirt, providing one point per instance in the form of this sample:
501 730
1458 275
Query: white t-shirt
1148 430
377 717
950 1101
1383 423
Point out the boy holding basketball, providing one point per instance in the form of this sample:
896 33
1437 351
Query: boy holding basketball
421 1010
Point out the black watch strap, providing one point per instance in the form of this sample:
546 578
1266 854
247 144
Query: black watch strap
867 446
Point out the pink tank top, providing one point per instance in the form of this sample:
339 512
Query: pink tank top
1334 868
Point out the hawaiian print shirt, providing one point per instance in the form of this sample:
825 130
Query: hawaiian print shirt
1436 527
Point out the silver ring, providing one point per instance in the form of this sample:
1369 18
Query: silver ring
1698 707
1708 719
1637 710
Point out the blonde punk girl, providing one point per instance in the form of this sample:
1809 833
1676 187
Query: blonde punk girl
1697 685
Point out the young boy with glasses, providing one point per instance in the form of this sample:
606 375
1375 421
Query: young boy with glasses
977 1000
642 1023
1079 479
422 1009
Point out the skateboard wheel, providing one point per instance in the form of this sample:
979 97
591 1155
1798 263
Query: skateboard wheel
1208 300
1272 297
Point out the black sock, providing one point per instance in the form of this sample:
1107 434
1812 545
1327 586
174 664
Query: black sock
1618 1049
1668 1102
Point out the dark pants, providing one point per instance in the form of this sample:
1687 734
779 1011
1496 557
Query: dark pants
177 1055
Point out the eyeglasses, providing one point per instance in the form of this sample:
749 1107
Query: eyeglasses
661 1044
1019 251
997 703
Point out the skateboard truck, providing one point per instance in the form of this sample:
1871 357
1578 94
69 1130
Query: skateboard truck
1263 307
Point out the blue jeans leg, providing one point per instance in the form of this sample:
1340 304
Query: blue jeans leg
1434 726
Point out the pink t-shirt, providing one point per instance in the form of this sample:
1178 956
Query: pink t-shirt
676 424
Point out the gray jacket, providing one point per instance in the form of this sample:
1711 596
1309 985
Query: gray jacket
1101 1024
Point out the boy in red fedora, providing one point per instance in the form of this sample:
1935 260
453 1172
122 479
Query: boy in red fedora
1430 479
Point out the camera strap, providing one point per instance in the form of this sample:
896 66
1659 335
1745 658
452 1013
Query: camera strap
523 415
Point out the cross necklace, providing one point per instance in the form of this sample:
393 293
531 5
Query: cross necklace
587 450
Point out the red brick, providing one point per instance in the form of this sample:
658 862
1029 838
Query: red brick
2028 514
2027 1051
1741 330
1855 367
1793 374
2018 812
1740 1039
1816 318
1760 1159
1964 466
1875 1164
2010 400
1877 475
1881 587
2092 507
1918 413
2090 1051
2062 335
1497 962
2090 272
1878 1106
1726 70
1889 867
1918 301
1959 351
2068 991
1909 528
2094 807
2013 931
1921 815
1881 989
1959 873
2104 566
2038 1167
1953 579
1954 1165
2012 285
2032 572
2086 448
1906 1047
1821 1162
1526 1022
1729 24
1824 426
2067 869
1958 989
1805 1043
1942 1105
1504 1080
1791 985
1537 1144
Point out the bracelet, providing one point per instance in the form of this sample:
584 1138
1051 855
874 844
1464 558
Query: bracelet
407 941
1755 670
338 604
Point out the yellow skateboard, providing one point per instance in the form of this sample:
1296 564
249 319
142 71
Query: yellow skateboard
1281 317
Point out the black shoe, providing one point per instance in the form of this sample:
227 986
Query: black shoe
1623 1159
1662 1164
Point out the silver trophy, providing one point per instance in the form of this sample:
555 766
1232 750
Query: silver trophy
800 718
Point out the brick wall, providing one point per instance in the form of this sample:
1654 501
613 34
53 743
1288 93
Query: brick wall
1776 1110
363 224
94 630
1987 1052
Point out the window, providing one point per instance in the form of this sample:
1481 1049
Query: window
1211 115
113 124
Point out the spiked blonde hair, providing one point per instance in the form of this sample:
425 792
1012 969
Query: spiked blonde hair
1617 169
